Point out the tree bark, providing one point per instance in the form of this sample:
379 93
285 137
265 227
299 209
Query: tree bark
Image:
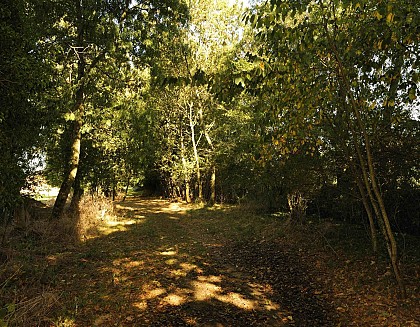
70 176
392 242
77 191
78 112
213 167
126 187
196 156
368 209
213 185
185 168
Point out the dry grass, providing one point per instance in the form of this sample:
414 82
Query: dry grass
30 312
33 221
31 239
91 215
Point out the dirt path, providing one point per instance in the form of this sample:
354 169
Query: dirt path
162 266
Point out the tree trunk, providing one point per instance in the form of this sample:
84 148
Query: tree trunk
196 156
392 242
373 234
213 167
70 176
78 111
126 187
77 191
377 200
213 185
185 169
343 132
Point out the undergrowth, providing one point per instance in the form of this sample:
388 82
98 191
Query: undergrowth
32 245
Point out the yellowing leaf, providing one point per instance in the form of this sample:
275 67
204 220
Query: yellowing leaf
412 96
394 37
378 15
69 116
390 17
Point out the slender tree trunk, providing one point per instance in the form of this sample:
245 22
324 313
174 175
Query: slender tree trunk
77 191
361 182
368 209
377 199
126 187
364 187
185 168
213 185
369 180
70 176
393 243
196 156
213 167
75 136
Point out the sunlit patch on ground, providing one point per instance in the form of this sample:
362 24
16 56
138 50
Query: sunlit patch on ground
151 291
112 226
171 261
121 223
153 207
237 300
189 266
127 263
184 269
175 207
168 253
141 305
174 299
205 290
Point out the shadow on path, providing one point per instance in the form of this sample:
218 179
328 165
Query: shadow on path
156 268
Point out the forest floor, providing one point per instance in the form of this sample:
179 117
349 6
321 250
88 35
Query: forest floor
170 264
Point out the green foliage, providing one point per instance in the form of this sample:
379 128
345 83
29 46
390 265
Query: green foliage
23 119
118 39
315 62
